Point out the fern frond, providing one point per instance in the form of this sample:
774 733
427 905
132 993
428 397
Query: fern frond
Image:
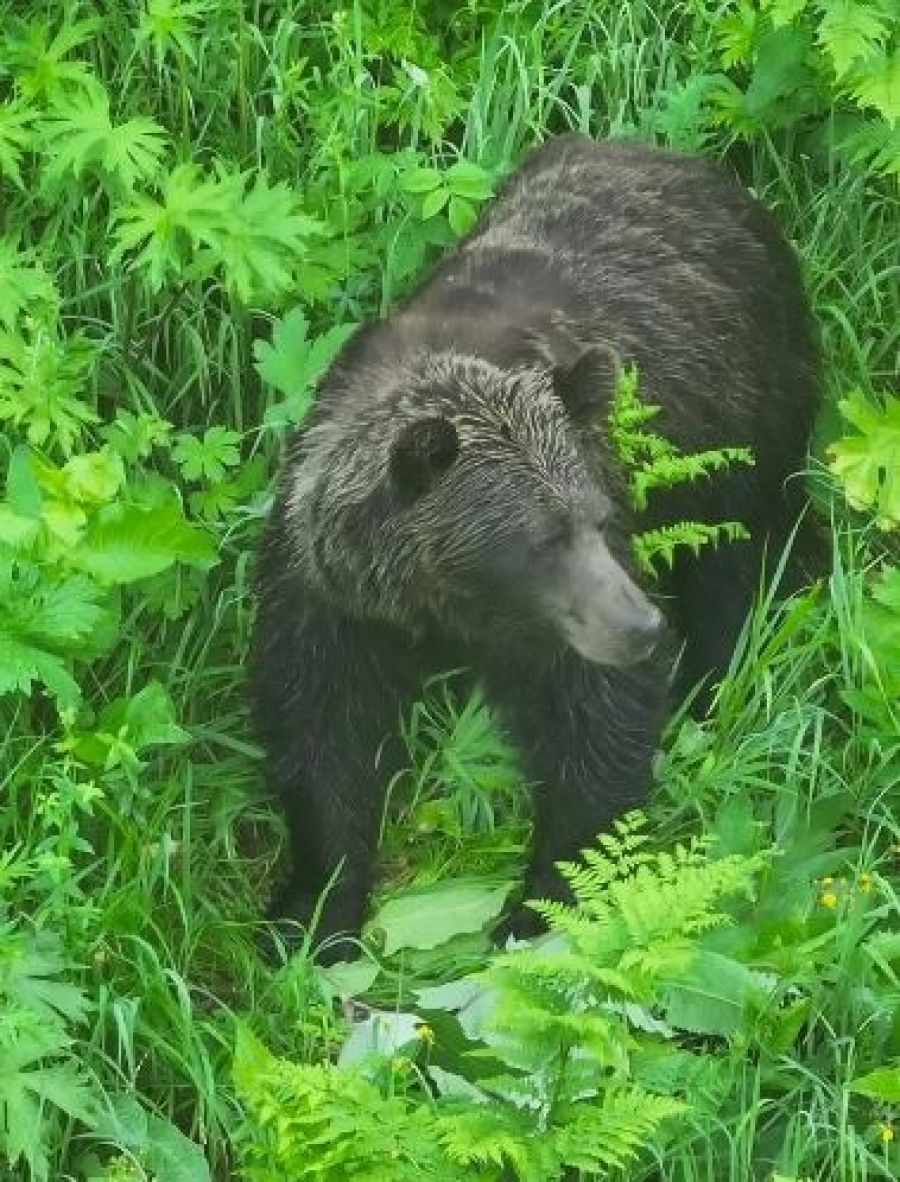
669 468
654 545
482 1135
608 1135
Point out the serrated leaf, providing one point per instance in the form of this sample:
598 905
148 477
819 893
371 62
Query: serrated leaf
782 12
429 917
16 120
23 664
850 30
81 135
94 478
25 286
868 464
66 611
878 85
293 363
207 458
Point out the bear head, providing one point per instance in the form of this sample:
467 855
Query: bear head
444 492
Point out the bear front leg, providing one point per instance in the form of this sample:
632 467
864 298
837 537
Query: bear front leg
328 695
587 735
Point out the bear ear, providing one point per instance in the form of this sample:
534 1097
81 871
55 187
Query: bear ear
584 376
421 453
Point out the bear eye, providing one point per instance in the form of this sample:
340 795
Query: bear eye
557 535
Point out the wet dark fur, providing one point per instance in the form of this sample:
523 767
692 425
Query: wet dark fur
668 263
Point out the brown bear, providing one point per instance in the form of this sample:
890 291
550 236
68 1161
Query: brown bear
450 500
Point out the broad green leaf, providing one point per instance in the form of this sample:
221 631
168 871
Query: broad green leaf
421 180
381 1033
780 69
434 202
252 1059
883 1085
429 917
16 531
465 179
462 215
129 542
154 1140
23 493
714 994
171 1155
350 978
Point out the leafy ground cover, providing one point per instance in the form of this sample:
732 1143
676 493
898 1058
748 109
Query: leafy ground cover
199 200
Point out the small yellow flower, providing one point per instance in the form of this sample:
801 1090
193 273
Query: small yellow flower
864 884
826 882
828 899
401 1064
425 1034
886 1132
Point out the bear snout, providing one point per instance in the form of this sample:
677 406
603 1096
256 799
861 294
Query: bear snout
642 636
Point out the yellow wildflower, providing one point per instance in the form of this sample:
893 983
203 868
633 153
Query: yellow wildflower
828 899
425 1034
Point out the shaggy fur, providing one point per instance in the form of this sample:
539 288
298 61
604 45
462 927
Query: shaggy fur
449 502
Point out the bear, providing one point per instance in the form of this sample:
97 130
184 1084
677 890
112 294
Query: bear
452 501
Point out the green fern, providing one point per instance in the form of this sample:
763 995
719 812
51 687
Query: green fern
556 1084
652 462
660 545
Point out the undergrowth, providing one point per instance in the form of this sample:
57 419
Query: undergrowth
199 201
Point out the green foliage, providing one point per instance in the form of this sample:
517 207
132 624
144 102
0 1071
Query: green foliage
293 362
553 1086
795 59
199 200
652 462
866 463
41 1082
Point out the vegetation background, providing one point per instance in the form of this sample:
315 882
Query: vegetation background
199 200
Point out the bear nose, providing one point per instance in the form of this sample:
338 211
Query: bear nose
643 635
